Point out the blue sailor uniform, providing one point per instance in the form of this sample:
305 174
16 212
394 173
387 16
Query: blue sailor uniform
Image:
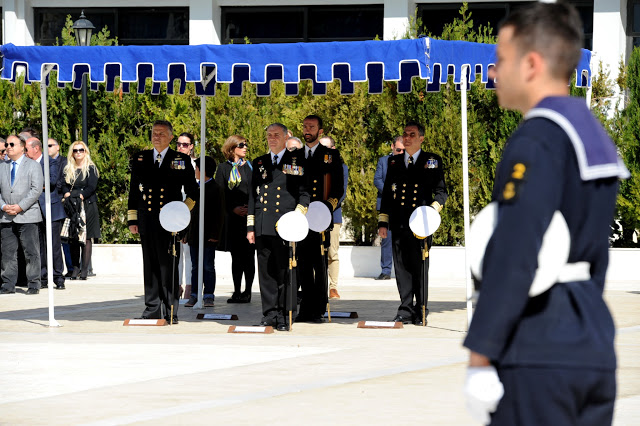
559 159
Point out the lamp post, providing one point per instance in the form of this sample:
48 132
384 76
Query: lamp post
82 29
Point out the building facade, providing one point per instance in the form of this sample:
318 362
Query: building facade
611 27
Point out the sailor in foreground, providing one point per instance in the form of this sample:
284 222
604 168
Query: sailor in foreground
546 358
414 178
277 187
158 177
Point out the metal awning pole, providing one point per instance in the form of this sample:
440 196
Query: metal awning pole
465 185
47 193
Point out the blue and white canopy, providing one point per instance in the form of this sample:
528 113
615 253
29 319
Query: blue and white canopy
349 62
322 63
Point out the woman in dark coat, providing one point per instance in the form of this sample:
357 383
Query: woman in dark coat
234 175
80 182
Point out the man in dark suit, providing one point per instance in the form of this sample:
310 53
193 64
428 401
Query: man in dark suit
278 187
21 184
414 179
325 177
386 255
158 176
34 151
54 153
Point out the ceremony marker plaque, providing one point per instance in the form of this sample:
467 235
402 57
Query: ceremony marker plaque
251 329
145 322
338 314
229 317
379 324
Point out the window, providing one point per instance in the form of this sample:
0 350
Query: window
633 25
143 26
436 15
301 23
585 9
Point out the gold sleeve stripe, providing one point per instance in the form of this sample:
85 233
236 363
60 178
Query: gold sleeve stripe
251 220
436 205
132 214
190 203
302 209
383 217
333 202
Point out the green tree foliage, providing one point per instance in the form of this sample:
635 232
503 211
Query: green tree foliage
363 126
626 132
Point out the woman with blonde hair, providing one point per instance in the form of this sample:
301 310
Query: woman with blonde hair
79 188
234 176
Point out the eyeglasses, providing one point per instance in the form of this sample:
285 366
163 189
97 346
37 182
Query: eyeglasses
75 151
243 145
183 144
399 150
9 144
51 145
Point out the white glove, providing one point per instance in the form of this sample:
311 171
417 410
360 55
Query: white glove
483 391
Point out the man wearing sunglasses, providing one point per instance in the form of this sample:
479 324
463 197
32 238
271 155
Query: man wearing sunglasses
414 179
21 183
34 151
386 256
3 155
158 177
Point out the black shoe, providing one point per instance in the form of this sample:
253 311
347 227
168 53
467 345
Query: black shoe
235 298
283 327
267 323
83 278
43 285
245 297
404 320
5 291
168 319
68 274
60 286
417 317
148 317
75 273
33 291
383 277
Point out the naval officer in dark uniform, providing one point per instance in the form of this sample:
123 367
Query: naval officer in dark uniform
414 179
277 187
551 353
158 176
323 167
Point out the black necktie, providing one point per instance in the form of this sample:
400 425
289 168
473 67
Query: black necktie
275 160
158 160
410 163
309 154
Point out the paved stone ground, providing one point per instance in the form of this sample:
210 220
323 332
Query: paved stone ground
92 370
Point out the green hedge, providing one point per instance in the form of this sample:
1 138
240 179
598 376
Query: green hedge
363 126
